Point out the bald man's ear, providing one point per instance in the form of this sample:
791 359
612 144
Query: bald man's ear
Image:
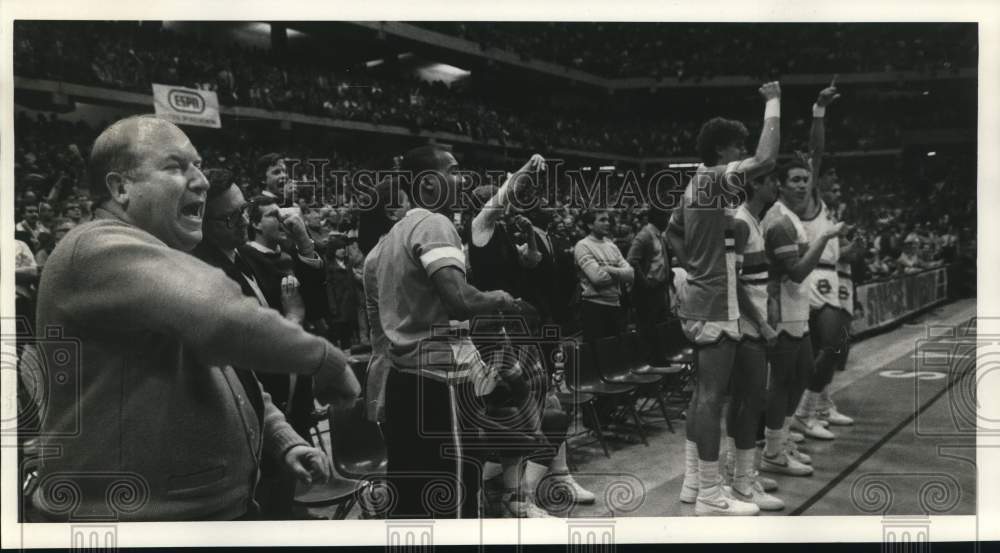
117 189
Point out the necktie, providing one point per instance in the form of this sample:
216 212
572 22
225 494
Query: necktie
243 266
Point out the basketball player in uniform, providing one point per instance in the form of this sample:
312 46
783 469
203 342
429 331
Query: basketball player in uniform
749 380
701 234
791 257
849 251
825 319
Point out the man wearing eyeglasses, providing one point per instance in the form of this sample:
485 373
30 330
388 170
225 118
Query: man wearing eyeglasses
225 246
154 395
225 231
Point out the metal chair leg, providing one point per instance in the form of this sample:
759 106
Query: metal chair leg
591 410
663 409
638 424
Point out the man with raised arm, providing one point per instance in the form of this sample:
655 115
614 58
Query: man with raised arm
701 234
826 319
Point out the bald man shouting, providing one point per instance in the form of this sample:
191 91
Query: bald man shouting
151 421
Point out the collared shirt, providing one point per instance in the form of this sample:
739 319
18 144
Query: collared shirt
314 261
705 220
784 237
753 266
410 308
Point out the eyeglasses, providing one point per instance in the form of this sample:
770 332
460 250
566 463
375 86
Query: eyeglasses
232 218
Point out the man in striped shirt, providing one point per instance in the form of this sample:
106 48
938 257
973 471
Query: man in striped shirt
701 235
420 277
749 381
792 257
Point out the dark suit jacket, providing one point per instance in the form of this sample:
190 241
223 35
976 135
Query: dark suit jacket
275 384
268 270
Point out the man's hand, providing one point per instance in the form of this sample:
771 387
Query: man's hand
828 94
503 300
770 91
535 164
526 175
308 464
291 300
297 230
335 382
839 229
294 224
769 335
523 224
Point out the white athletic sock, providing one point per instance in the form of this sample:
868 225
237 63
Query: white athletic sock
491 470
774 441
690 464
824 403
708 477
743 469
533 473
807 405
727 456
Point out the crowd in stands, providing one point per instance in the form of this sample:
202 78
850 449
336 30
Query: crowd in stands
904 231
694 50
130 57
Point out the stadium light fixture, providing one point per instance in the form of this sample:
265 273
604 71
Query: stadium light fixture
682 165
607 168
374 63
405 55
931 154
442 72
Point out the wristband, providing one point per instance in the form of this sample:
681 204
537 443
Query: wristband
772 108
818 111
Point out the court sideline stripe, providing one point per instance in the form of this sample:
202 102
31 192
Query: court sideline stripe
871 451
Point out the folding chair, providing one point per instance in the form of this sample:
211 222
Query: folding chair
677 351
614 367
587 378
338 491
669 373
575 402
358 449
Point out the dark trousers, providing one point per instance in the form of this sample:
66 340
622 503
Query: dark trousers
600 320
425 476
650 308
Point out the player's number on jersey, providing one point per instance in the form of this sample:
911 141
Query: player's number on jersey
843 293
823 285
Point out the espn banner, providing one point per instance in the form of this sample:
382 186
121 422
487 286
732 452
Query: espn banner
186 106
884 303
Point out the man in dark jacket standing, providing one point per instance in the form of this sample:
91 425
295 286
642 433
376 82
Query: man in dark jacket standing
651 261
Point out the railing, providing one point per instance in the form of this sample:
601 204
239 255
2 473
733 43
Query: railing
889 301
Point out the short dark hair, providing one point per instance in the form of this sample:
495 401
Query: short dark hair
416 161
786 168
254 211
265 162
659 217
716 133
219 181
590 216
113 152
